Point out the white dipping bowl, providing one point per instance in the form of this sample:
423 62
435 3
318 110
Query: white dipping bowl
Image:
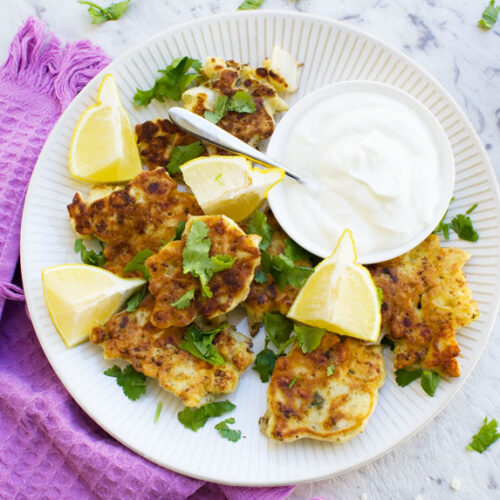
302 233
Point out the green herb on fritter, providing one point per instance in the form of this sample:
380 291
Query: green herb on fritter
330 370
260 276
135 300
240 102
179 229
90 257
308 337
219 111
131 381
200 344
258 225
284 271
196 418
278 328
184 300
138 263
292 383
183 154
264 364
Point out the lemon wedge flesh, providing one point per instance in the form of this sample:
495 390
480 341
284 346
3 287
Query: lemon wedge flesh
103 147
80 297
340 295
229 185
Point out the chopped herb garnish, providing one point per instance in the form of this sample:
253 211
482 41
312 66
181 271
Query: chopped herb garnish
260 276
183 154
179 229
308 337
177 77
380 295
471 209
462 225
292 383
200 344
158 411
430 381
284 271
405 376
196 259
330 370
100 15
138 263
278 328
131 381
485 437
388 342
264 364
184 300
240 102
135 300
250 4
295 252
90 257
219 111
490 16
227 433
258 225
196 418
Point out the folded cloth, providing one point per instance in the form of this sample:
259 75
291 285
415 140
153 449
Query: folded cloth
49 448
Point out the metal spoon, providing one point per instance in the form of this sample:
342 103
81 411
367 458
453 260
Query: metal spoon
205 130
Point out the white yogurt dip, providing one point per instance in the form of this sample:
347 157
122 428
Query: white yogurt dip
374 165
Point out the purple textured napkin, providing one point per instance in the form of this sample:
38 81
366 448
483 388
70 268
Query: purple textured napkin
49 448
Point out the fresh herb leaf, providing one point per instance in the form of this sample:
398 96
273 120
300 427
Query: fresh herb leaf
196 260
490 16
462 225
250 4
227 433
241 102
308 337
295 252
100 15
284 271
158 411
471 209
380 295
131 381
184 300
388 342
292 383
219 111
330 370
89 257
200 344
260 276
485 437
278 328
196 418
405 376
179 229
138 263
177 77
135 300
183 154
264 364
258 225
430 381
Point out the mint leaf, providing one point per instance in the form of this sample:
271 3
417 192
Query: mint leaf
184 300
405 376
100 15
220 109
278 328
241 102
90 257
138 263
183 154
250 4
430 381
135 300
258 225
462 225
485 437
196 418
308 337
200 345
131 381
264 364
227 433
489 17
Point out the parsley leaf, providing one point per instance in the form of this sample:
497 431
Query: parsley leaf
489 17
485 437
199 344
308 337
179 229
295 252
462 225
131 381
260 276
278 328
258 225
196 418
158 411
227 433
250 4
330 370
195 258
184 300
264 364
100 15
175 80
241 102
89 257
135 300
284 271
219 111
138 263
182 154
405 376
430 381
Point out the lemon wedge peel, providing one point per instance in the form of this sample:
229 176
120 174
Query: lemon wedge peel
229 185
340 295
79 297
103 148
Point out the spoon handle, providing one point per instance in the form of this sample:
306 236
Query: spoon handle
206 131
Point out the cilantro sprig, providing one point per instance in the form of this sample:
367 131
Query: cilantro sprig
138 263
100 14
200 344
184 300
485 437
196 418
90 257
460 224
250 4
284 270
177 77
240 102
429 379
183 154
135 300
258 225
489 16
227 433
131 381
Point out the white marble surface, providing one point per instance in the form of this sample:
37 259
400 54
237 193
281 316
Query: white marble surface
441 35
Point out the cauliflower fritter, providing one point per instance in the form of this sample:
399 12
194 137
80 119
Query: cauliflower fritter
141 215
426 299
156 353
318 405
228 287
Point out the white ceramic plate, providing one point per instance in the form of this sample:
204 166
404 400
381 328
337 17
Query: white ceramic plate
330 52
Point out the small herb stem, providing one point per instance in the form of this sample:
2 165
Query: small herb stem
471 209
158 411
285 345
92 4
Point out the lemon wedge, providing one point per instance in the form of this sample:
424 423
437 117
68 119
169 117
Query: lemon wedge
340 295
229 185
103 147
80 297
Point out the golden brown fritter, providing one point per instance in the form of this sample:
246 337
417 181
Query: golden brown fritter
318 406
156 353
426 298
268 297
229 287
141 215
